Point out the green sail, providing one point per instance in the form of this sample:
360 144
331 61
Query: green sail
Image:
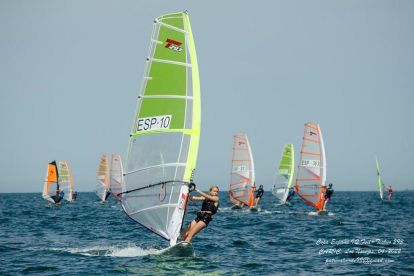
284 173
380 184
165 134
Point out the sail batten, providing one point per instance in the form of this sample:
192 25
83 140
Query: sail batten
169 62
312 167
170 27
164 139
159 166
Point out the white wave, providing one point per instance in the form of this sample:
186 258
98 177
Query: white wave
131 250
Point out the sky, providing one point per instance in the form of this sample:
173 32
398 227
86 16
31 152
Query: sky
70 73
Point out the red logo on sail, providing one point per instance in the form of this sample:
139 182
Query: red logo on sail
312 133
173 45
241 143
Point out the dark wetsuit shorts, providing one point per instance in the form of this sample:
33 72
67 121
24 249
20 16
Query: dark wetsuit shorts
204 217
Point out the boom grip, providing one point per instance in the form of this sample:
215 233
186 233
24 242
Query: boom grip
191 187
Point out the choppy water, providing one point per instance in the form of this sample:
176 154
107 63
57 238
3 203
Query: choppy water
90 238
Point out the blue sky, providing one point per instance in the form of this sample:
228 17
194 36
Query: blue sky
70 73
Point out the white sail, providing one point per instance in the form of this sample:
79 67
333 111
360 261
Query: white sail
65 180
242 174
164 140
102 181
116 171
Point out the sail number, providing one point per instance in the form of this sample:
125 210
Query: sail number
239 168
154 123
310 163
284 171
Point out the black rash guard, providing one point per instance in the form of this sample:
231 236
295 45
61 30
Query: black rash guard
208 205
259 193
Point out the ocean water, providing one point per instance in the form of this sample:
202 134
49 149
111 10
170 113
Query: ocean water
360 235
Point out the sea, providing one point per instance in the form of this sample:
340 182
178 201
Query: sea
360 235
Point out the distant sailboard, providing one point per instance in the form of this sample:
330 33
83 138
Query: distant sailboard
310 180
115 183
65 180
163 143
51 187
284 174
242 174
380 184
102 180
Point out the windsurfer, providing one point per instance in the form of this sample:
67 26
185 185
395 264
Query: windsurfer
74 196
259 195
208 209
389 192
328 193
291 194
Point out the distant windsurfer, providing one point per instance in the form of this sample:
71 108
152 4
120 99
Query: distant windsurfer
208 208
389 192
74 196
290 195
328 193
259 195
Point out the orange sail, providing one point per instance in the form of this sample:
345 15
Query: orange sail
311 177
51 187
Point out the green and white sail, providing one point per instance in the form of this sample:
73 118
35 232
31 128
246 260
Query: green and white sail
380 184
165 134
65 180
284 174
